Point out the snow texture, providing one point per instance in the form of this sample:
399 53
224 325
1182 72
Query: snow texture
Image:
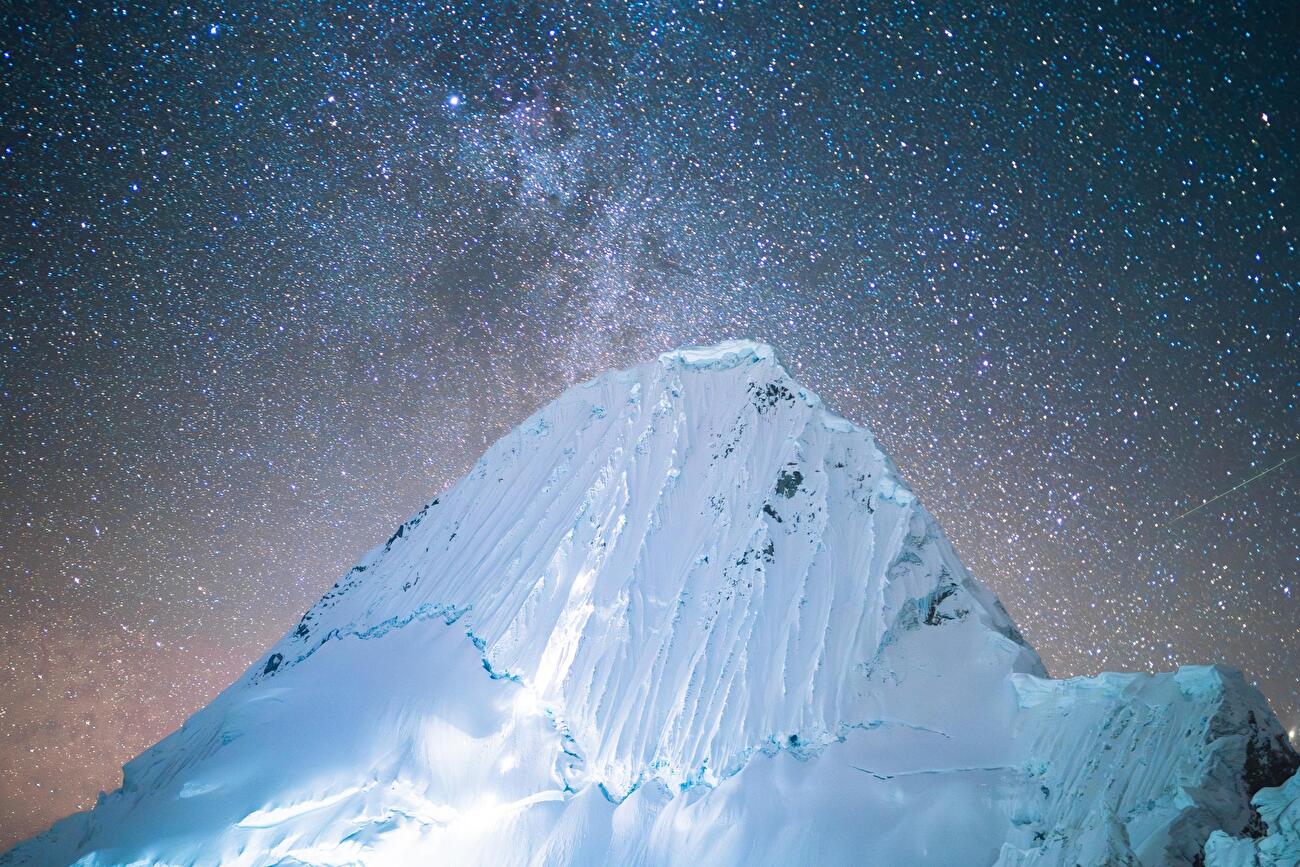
686 615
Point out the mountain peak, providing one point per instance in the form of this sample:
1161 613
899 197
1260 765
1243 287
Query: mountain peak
680 614
725 354
757 360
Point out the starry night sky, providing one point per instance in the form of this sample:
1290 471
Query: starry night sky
276 273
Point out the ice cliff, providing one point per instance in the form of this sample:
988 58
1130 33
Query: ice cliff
686 615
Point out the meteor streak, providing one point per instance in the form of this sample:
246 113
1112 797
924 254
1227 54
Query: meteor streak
1235 487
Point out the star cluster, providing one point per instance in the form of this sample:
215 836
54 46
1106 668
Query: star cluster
274 274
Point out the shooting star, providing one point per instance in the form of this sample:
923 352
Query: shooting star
1236 487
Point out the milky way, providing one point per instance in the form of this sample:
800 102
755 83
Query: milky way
275 274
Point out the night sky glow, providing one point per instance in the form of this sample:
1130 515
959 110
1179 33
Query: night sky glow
275 274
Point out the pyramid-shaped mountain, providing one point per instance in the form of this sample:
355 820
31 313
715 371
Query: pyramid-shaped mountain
686 615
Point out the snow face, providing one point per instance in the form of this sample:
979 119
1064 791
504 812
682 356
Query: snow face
683 614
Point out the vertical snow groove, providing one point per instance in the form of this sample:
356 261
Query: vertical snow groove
682 561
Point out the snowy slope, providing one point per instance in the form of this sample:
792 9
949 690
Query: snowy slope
682 615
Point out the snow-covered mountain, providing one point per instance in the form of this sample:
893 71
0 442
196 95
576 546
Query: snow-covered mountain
685 615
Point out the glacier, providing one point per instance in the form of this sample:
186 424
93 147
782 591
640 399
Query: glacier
686 615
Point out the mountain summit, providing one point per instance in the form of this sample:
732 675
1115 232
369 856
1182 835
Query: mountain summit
686 615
